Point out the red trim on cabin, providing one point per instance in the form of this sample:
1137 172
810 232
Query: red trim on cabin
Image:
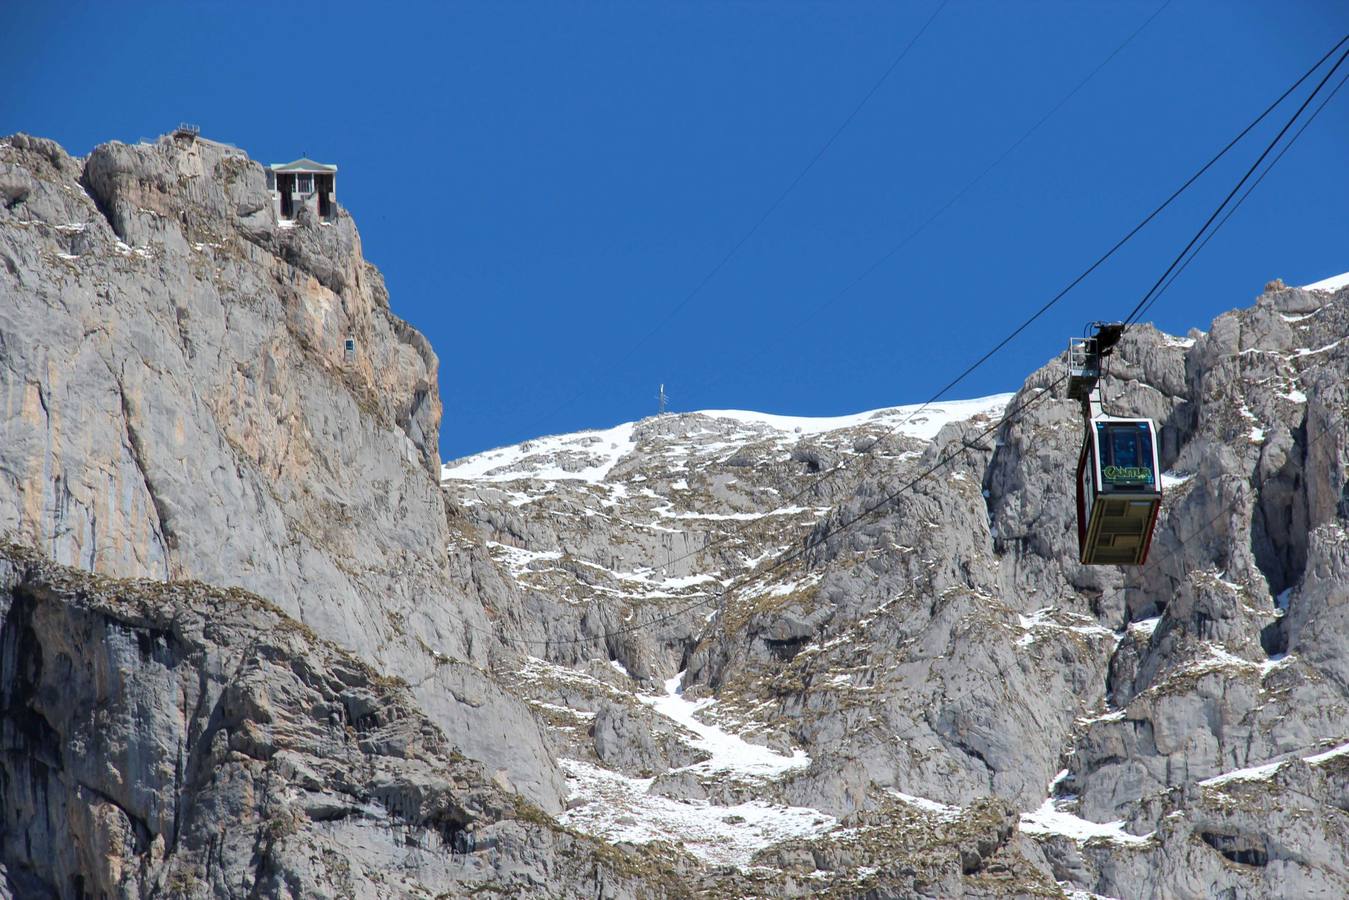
1152 522
1082 502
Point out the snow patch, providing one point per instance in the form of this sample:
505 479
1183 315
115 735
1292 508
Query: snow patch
1266 771
562 710
585 456
780 589
916 420
1252 773
541 670
1215 658
1269 665
619 809
730 753
1331 284
1112 716
1145 626
1304 351
1341 750
1073 893
520 560
1042 618
1050 819
667 513
941 809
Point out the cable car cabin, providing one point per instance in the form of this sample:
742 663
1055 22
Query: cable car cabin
1119 491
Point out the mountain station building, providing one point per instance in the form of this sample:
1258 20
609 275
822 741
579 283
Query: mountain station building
303 183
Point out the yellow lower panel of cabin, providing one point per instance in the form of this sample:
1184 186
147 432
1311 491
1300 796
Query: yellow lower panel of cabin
1119 529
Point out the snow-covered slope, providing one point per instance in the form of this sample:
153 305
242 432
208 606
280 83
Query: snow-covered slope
591 455
622 808
585 456
1331 284
665 518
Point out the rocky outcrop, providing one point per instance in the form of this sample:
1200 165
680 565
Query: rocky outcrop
173 739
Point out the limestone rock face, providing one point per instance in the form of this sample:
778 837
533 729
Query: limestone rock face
756 655
178 402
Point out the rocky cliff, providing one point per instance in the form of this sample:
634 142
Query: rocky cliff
763 656
178 403
172 739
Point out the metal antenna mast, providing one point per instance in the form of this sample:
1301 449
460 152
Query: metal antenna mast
661 397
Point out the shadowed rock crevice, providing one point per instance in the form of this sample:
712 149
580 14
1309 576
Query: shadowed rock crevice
26 732
1238 848
1279 522
136 447
787 648
100 200
32 754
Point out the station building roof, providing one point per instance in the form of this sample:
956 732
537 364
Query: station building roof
304 164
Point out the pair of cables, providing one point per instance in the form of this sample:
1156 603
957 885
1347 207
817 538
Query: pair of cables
1192 248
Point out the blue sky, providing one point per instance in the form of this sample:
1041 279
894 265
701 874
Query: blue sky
542 184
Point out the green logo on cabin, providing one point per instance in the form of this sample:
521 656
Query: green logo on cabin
1127 475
